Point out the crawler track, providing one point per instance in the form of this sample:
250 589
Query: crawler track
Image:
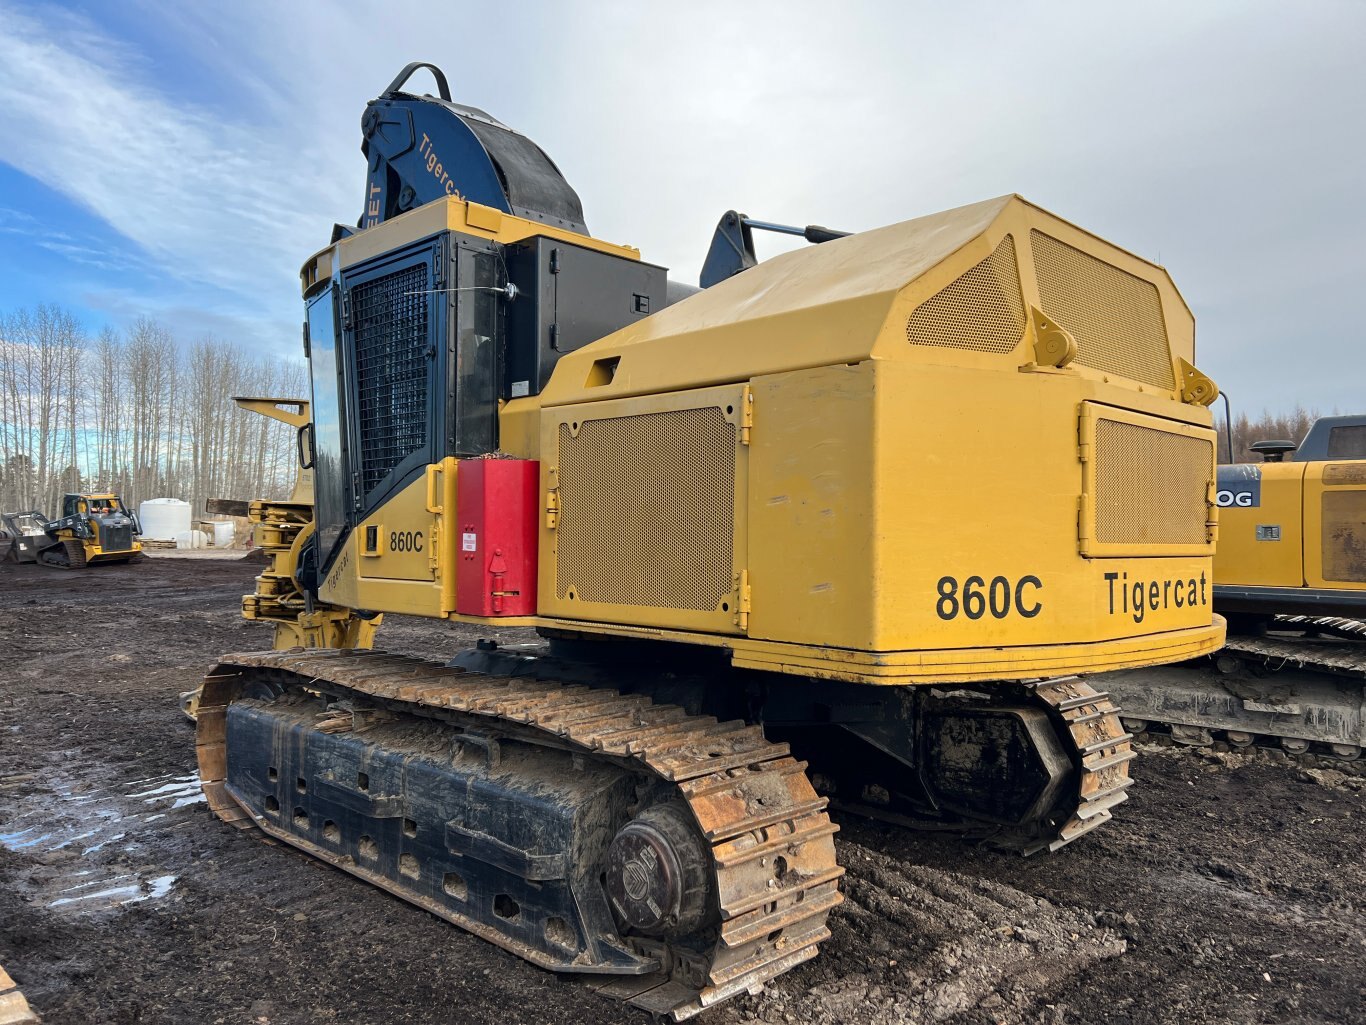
1087 734
771 842
1305 694
70 554
1103 749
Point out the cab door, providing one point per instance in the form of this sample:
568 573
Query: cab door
1335 525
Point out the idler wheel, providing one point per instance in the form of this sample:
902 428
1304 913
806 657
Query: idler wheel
659 873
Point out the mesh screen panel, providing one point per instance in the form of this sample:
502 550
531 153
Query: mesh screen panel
1151 486
116 539
1344 536
390 326
982 309
1115 317
647 510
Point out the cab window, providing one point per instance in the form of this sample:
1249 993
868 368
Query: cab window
1347 442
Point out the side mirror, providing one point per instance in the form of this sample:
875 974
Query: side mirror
1274 451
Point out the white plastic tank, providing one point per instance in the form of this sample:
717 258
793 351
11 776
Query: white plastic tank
163 518
191 539
223 533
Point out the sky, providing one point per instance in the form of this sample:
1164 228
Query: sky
180 161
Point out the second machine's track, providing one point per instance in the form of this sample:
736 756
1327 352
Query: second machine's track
1299 687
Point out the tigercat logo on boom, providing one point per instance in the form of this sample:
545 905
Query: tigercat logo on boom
1137 598
435 167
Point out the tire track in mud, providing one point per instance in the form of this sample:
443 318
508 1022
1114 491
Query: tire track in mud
919 944
1236 882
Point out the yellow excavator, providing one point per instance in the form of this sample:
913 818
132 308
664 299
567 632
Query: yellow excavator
841 527
1290 576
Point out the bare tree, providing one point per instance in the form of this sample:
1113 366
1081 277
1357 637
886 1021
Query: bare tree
1292 426
134 413
40 350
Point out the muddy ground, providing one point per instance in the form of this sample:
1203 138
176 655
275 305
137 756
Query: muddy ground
1224 891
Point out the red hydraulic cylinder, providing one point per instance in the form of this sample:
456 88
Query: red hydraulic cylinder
497 510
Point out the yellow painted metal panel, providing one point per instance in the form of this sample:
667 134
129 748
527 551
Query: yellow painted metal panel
413 555
1115 316
447 214
811 514
1335 525
811 307
883 519
1147 485
954 665
519 428
1274 555
647 524
894 293
976 520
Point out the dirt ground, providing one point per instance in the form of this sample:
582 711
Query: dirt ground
1224 891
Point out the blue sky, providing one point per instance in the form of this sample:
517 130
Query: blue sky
180 161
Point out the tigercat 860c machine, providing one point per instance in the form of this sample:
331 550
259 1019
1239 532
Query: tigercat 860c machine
1290 576
871 505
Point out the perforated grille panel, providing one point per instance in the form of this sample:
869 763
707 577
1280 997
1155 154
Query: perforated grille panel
116 539
389 315
647 510
1151 486
1344 536
982 309
1115 317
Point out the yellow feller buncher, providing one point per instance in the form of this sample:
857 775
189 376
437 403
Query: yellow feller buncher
841 526
1290 576
94 528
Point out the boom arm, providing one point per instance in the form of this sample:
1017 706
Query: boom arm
424 148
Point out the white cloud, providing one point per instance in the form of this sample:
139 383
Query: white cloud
206 199
1220 137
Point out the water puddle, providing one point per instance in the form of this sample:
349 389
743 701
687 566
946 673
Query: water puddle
88 844
131 892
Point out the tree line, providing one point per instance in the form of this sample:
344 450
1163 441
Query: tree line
135 412
1247 431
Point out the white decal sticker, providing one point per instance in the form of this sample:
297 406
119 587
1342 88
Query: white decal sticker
467 542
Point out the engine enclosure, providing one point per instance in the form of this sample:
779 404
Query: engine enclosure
971 446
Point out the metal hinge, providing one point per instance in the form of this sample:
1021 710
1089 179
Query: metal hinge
307 350
554 261
438 267
746 413
742 602
552 499
346 308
